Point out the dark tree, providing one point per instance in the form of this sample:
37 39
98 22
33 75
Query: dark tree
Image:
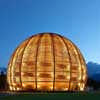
93 83
2 81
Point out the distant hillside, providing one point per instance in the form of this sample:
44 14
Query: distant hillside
96 77
93 70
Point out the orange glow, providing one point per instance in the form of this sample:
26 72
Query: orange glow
47 62
79 84
81 89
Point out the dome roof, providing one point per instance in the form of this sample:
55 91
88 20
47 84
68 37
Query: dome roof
49 62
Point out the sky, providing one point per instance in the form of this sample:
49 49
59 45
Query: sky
78 20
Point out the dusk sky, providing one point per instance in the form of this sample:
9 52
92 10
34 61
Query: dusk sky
78 20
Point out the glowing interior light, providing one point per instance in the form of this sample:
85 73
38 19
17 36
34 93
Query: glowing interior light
23 85
51 87
18 89
84 77
79 84
10 88
68 77
81 88
14 84
38 86
65 89
84 71
47 61
14 89
79 68
22 73
79 78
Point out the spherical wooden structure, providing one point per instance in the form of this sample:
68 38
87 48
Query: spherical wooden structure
47 62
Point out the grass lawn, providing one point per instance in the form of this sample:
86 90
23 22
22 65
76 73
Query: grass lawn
52 96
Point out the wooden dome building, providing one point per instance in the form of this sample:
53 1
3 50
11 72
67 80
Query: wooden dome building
47 62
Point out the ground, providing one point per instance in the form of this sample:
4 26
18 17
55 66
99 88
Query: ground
50 96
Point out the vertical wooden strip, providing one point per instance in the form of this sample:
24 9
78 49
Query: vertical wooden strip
22 59
52 37
70 62
38 44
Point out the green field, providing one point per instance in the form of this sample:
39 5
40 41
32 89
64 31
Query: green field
52 96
